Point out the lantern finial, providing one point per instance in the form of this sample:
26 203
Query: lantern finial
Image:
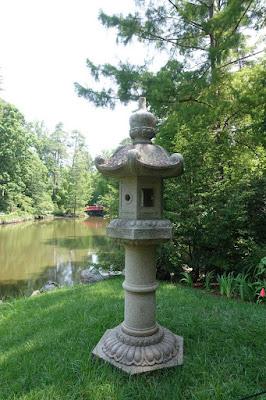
142 124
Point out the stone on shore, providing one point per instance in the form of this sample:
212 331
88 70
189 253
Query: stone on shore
49 286
92 274
35 293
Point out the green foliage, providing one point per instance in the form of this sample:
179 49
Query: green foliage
208 279
211 109
209 35
244 288
227 284
79 176
187 278
105 192
41 172
14 155
110 200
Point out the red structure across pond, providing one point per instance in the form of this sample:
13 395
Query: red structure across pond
94 210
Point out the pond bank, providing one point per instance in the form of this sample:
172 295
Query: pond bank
15 218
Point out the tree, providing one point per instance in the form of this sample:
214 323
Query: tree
209 98
79 179
15 152
23 176
209 33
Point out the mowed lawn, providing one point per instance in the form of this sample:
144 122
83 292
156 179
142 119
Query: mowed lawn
46 344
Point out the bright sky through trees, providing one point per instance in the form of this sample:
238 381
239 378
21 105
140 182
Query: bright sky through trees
44 48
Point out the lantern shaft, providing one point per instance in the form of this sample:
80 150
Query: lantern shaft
140 285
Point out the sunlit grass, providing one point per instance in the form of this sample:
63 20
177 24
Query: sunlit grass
46 344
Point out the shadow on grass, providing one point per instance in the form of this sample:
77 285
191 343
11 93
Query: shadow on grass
46 346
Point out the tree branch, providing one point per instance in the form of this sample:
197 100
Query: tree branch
187 100
173 41
240 59
202 3
240 19
193 23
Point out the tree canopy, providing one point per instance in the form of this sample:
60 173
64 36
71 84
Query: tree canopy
40 171
209 98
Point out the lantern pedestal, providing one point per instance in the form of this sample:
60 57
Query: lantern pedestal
139 344
141 358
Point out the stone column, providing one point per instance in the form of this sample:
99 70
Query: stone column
140 286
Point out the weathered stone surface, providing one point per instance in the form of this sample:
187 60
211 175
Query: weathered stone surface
160 229
142 124
141 160
49 286
91 275
135 355
142 157
139 344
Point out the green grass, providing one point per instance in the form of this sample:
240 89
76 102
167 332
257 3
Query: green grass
46 344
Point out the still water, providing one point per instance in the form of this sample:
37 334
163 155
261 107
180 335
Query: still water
31 253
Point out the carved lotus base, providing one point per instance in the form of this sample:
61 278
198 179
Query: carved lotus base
137 354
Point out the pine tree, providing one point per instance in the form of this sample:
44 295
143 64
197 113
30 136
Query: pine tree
209 100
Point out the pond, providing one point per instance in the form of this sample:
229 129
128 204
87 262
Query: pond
31 253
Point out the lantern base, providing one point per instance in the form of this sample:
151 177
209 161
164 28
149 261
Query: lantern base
138 354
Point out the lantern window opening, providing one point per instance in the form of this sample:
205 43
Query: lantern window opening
147 197
127 197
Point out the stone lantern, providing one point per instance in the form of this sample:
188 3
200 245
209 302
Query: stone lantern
139 343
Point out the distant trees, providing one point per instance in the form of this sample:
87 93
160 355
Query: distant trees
79 175
209 97
41 172
20 165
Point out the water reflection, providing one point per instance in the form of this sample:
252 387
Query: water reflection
34 252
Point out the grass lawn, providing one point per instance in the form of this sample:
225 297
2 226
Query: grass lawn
46 343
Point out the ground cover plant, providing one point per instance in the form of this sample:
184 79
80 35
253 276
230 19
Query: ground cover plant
46 344
246 286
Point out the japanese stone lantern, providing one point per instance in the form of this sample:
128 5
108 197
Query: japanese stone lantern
139 343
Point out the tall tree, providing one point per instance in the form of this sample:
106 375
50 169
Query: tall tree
209 98
210 35
79 180
15 144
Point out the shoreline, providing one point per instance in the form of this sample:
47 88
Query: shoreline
8 219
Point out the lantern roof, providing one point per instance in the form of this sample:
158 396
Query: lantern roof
142 157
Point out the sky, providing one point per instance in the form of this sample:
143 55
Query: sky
43 51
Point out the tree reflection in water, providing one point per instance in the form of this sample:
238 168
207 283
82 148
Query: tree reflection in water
35 252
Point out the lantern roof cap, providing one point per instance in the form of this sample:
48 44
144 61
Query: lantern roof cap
142 124
142 157
141 160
